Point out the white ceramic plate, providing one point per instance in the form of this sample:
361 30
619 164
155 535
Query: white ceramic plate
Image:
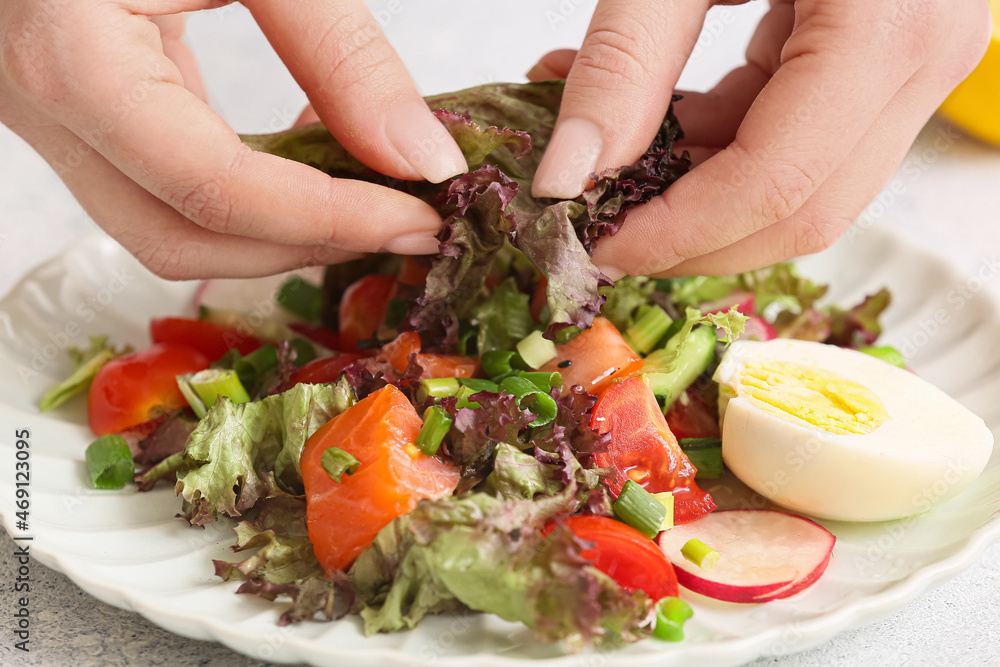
127 549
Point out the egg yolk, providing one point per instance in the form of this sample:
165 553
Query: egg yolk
818 397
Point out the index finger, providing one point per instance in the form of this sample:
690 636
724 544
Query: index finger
128 102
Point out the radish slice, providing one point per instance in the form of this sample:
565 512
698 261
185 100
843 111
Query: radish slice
763 554
252 295
758 328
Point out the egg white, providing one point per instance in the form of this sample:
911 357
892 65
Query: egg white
926 451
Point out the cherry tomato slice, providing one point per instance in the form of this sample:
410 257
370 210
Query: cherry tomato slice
212 340
597 357
362 309
326 369
625 555
644 450
137 387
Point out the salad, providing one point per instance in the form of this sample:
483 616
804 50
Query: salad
394 436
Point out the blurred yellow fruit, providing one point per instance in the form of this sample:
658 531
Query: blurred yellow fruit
975 105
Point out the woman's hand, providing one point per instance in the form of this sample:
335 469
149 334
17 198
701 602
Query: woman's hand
110 97
789 148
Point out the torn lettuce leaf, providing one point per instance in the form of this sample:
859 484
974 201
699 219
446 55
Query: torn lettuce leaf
436 558
240 453
84 365
503 130
502 319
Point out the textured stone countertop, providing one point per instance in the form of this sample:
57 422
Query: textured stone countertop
946 199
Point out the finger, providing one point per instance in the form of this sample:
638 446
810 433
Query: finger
712 118
359 86
171 30
618 89
307 117
162 239
165 139
799 130
553 65
832 210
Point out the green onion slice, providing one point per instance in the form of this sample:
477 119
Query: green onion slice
638 508
109 462
211 383
671 613
536 350
530 397
700 554
336 462
437 422
650 326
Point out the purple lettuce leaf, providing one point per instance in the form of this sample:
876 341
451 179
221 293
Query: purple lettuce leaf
858 326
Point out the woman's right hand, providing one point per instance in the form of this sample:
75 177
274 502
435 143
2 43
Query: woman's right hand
110 97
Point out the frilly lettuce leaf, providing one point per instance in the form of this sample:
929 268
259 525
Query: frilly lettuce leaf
240 453
503 130
438 557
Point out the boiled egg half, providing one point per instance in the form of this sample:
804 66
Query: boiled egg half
838 434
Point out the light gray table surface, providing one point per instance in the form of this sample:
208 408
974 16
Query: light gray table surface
947 199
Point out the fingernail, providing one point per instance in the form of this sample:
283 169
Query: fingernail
569 160
417 243
424 142
540 73
612 272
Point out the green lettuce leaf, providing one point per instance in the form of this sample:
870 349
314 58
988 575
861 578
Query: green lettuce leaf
438 557
625 298
240 453
84 365
502 319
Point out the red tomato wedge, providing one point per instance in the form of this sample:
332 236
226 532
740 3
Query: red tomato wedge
397 352
597 357
137 387
212 340
326 369
344 518
644 450
362 309
692 417
625 555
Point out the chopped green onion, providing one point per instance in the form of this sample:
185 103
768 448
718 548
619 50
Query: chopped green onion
211 383
536 350
438 388
666 499
300 297
700 554
544 381
530 397
336 462
671 613
463 398
649 327
477 385
705 455
191 396
501 363
886 353
251 367
638 508
436 424
304 351
109 462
